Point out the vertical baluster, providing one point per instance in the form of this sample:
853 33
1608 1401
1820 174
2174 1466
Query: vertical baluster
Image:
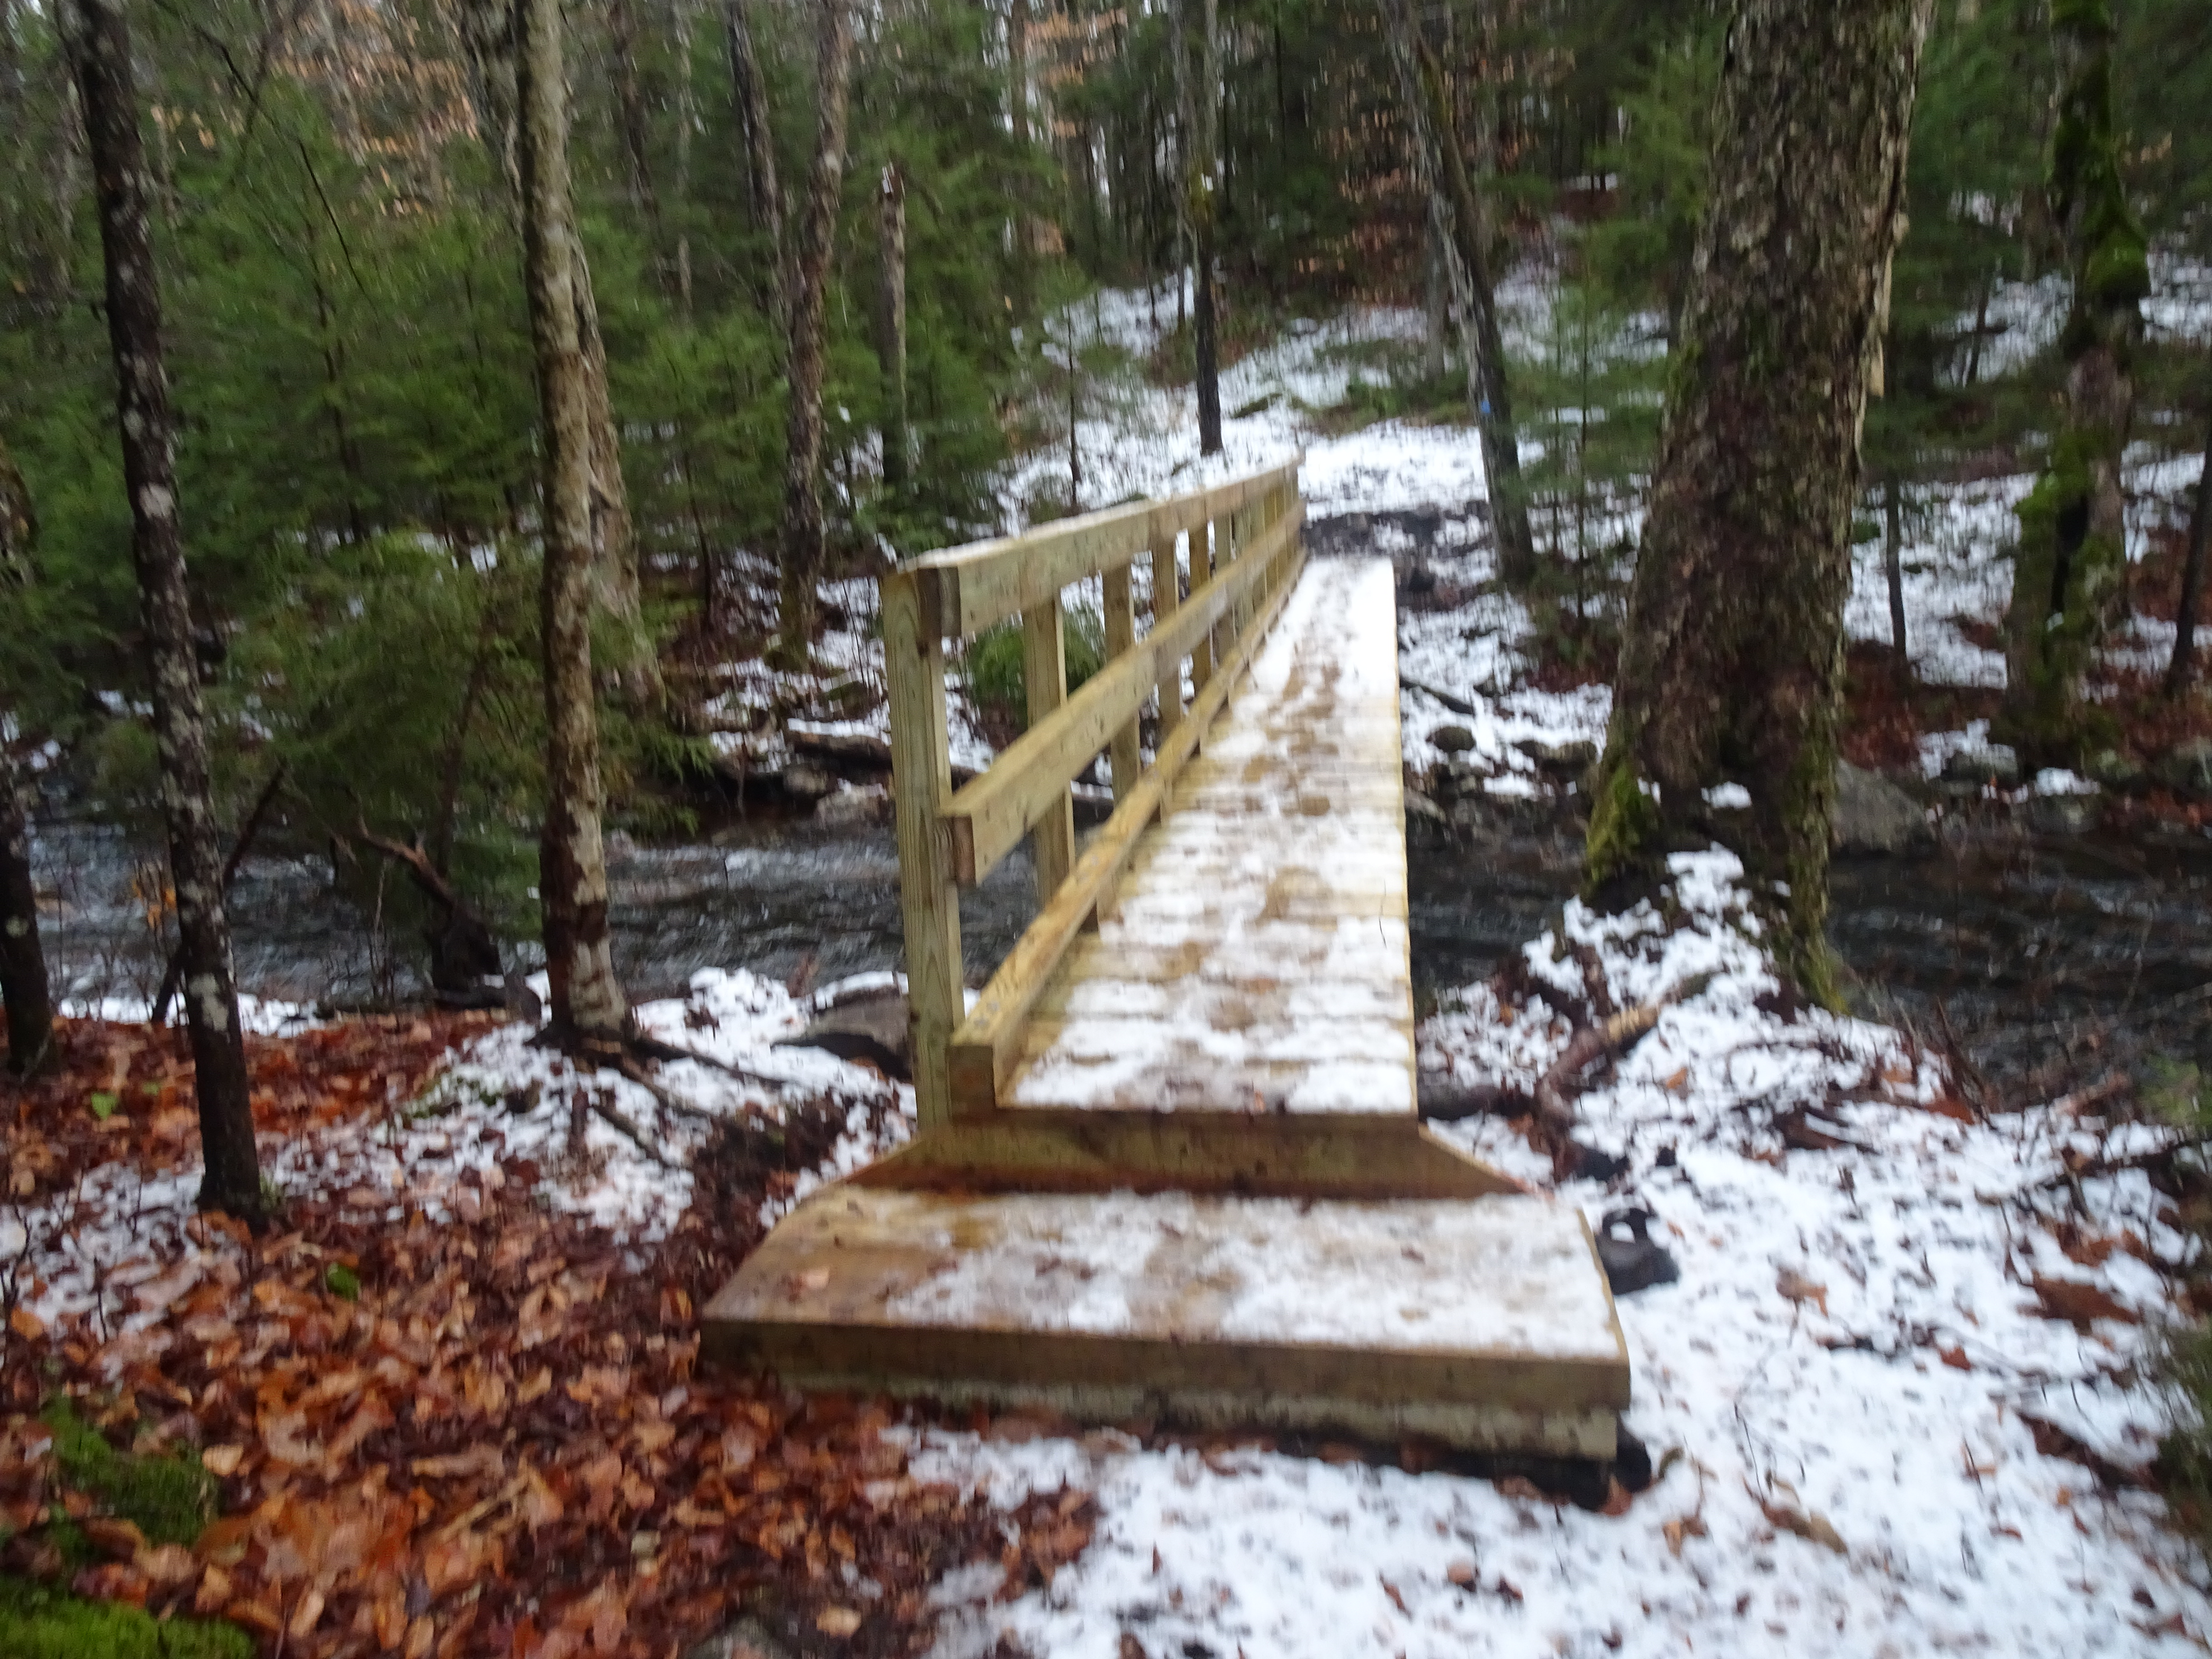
1044 668
1121 636
921 781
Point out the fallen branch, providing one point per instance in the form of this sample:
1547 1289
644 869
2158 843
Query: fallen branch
1457 705
668 1099
1443 1101
619 1120
1608 1039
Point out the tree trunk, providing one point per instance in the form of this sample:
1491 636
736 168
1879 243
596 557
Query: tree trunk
630 103
891 324
490 32
1732 657
1456 223
2179 672
1892 564
748 90
687 118
809 287
1200 189
587 1000
2069 573
19 525
25 990
99 49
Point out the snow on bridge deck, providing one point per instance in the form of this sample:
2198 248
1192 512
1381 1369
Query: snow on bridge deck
1255 958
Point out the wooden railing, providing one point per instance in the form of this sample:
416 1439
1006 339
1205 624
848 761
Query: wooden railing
1243 560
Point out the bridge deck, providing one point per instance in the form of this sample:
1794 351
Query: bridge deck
1200 1191
1255 956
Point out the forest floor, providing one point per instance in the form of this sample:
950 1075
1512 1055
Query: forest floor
1896 1399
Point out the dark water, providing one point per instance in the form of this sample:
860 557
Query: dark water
2050 958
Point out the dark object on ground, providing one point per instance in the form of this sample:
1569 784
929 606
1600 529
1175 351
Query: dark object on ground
1589 1163
870 1025
1443 1100
1632 1262
1631 1461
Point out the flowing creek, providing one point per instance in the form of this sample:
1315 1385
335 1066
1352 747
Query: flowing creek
2069 955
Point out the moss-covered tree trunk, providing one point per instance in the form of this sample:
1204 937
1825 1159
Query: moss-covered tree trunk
2070 570
1731 668
99 54
587 1001
808 289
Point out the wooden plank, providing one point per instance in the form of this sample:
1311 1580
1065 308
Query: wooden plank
983 1049
1121 636
1282 903
1038 1149
921 779
988 582
1044 673
988 816
1203 568
1476 1321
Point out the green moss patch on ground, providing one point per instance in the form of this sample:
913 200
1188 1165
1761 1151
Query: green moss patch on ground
40 1623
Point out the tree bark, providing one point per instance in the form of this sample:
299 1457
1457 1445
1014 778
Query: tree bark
19 525
99 44
630 103
2183 668
25 990
809 288
748 89
891 324
1892 564
1199 188
491 35
1732 658
1457 225
587 1001
2070 570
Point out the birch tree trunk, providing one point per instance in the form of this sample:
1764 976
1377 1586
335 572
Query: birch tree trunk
2069 575
808 289
1456 225
587 1002
1732 658
99 46
748 90
891 325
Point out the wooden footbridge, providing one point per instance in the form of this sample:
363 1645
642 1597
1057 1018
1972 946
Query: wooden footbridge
1169 1164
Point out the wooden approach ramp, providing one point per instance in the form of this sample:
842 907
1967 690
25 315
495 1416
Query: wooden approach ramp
1169 1164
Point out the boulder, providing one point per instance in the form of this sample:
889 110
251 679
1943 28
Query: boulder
849 806
1427 825
2186 768
1561 760
2064 815
1873 816
1452 739
869 1024
807 781
1997 764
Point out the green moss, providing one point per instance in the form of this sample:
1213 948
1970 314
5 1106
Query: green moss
40 1623
1624 824
171 1498
2120 270
997 680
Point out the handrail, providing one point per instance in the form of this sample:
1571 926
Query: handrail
1244 552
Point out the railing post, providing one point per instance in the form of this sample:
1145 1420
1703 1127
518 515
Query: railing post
1201 567
921 781
1044 670
1167 594
1120 637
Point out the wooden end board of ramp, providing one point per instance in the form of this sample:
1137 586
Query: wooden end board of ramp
1169 1164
